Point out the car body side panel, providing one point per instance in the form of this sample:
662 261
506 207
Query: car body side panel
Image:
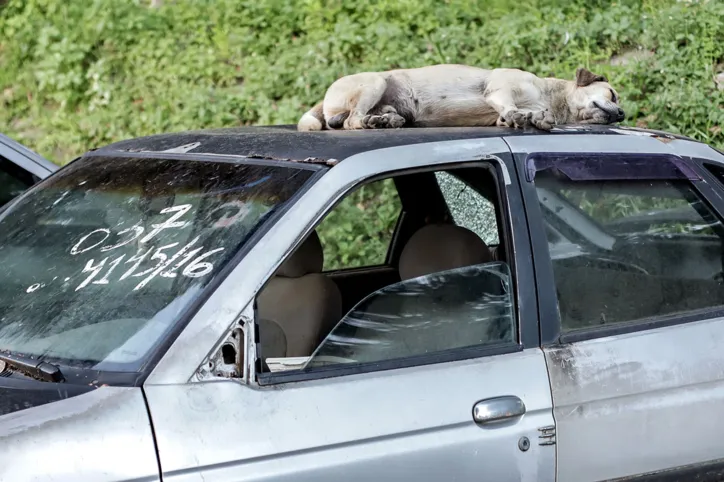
104 435
405 424
640 402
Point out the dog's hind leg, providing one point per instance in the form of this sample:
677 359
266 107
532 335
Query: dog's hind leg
386 118
354 97
313 119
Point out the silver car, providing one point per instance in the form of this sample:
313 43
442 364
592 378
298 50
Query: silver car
461 304
20 168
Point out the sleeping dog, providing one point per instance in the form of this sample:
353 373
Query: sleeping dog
459 95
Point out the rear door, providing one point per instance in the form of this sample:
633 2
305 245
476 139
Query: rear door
466 413
633 313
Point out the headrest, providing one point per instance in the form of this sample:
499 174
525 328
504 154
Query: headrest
308 258
440 247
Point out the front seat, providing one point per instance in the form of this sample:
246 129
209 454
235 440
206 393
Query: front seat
440 247
441 316
301 300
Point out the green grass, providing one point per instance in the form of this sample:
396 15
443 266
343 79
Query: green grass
80 73
77 74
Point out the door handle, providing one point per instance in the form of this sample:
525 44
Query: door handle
498 409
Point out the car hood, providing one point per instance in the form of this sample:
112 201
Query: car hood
19 393
101 435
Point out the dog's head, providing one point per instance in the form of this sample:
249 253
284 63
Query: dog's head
593 100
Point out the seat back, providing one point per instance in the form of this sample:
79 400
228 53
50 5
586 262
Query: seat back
425 323
301 300
440 247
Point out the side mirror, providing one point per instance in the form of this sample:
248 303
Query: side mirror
461 307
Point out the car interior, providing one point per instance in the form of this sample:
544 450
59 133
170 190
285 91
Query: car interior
301 304
648 274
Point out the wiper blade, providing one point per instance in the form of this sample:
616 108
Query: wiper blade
33 368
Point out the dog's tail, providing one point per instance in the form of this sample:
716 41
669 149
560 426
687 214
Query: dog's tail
313 119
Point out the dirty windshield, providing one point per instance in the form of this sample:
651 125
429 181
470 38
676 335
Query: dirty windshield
100 260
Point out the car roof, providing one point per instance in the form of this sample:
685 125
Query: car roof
284 142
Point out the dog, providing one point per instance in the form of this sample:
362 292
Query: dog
451 95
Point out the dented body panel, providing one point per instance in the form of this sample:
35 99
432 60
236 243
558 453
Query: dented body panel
639 402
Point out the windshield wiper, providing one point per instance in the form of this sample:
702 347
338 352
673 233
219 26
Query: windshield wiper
38 369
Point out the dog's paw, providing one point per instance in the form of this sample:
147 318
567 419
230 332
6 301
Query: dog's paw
515 118
384 121
543 120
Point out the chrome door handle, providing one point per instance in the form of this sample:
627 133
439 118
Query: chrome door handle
498 409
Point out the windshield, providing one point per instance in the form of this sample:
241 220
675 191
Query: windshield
100 260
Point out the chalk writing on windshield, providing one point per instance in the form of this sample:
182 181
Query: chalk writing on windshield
171 260
189 260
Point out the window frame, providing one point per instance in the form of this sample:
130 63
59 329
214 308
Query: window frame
550 320
526 323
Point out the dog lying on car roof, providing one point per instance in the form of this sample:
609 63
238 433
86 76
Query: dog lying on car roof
458 95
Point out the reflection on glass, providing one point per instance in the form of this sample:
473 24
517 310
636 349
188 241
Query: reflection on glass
463 307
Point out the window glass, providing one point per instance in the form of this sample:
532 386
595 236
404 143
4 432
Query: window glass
13 181
458 308
468 208
627 251
359 230
101 260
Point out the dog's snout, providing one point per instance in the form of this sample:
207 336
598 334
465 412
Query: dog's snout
620 115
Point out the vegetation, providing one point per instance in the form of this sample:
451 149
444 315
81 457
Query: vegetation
80 73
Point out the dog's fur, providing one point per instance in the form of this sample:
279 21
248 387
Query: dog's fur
459 95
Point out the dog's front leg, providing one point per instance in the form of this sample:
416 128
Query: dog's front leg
510 116
508 113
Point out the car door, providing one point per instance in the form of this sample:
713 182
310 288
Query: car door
633 319
20 168
466 414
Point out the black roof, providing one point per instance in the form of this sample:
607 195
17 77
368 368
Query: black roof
286 143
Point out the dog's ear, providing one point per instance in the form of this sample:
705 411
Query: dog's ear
585 77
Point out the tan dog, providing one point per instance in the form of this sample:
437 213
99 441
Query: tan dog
459 95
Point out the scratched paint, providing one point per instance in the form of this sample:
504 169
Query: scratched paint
641 402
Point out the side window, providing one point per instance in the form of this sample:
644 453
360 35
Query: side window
358 231
448 293
468 208
13 181
631 250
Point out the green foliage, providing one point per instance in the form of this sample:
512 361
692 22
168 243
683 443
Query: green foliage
81 73
359 229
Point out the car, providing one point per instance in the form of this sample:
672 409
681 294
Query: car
428 304
20 168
